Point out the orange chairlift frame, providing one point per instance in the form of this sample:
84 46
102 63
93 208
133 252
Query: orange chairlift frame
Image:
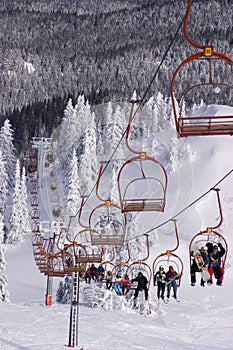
141 265
195 123
117 268
122 267
141 174
109 264
170 258
39 245
210 235
107 222
51 259
94 254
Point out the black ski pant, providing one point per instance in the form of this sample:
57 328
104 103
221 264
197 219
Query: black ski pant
138 290
160 290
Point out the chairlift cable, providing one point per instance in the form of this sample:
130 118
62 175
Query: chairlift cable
187 207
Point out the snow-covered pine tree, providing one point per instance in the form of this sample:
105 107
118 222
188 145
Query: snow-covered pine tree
180 152
25 220
170 114
3 184
104 116
8 150
88 163
150 120
15 232
114 194
64 291
4 294
73 190
114 131
69 133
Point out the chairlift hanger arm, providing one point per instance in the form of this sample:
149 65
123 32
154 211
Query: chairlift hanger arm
177 237
217 190
187 37
147 248
128 129
98 182
80 213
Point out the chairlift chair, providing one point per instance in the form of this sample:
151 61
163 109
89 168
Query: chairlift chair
139 266
208 236
142 180
169 259
108 225
107 222
197 79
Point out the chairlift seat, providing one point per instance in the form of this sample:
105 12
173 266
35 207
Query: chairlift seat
107 240
143 205
211 125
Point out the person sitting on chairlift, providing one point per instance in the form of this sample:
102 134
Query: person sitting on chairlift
142 285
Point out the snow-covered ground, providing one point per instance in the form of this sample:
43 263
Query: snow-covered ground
202 319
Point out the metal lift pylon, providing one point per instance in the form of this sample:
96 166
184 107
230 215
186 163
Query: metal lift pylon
74 313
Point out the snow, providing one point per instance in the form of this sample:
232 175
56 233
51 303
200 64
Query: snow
29 67
202 319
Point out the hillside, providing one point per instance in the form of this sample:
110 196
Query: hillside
201 312
51 51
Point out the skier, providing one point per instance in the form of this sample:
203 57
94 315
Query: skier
160 281
172 276
142 285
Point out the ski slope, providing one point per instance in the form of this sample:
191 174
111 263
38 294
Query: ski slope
204 316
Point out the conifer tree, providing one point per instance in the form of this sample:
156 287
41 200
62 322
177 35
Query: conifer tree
3 184
65 133
73 190
25 221
64 291
8 150
4 295
116 135
15 232
88 164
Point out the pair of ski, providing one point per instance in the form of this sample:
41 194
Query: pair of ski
166 301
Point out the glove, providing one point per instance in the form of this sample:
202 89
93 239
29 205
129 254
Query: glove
220 245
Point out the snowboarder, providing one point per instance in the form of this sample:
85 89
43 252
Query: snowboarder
142 285
160 281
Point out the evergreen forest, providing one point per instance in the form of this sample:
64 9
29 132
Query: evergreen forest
55 50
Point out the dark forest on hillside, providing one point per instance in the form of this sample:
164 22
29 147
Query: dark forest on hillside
56 49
